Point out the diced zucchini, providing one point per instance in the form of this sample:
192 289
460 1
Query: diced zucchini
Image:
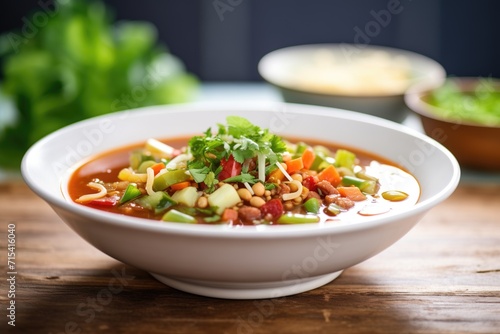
187 196
165 180
158 201
178 217
224 197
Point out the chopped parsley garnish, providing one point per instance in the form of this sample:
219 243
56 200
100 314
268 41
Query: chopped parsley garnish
240 139
242 178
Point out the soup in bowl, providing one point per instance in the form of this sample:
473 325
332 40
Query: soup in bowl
228 200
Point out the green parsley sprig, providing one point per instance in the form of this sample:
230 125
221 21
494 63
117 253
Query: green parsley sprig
239 138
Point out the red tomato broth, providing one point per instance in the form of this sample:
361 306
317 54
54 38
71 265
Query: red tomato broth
106 166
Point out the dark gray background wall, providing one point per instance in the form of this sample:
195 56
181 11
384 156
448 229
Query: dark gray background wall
224 39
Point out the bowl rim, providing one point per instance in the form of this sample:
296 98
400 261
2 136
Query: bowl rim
415 102
438 76
221 230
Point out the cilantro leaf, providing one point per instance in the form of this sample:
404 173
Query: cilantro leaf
239 138
199 174
243 177
238 126
211 181
278 145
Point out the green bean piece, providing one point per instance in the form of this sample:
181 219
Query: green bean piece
297 218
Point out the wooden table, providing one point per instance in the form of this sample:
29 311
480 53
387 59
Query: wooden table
442 277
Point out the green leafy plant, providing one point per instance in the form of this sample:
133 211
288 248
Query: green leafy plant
479 104
78 65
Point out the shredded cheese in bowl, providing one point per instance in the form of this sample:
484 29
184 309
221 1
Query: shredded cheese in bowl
366 73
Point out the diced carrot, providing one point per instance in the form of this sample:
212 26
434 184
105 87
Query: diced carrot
180 185
294 165
276 175
229 215
331 175
308 158
353 193
158 167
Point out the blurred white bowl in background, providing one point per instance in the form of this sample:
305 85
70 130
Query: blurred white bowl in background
368 79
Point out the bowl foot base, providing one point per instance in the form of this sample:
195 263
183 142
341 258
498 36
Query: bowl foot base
248 290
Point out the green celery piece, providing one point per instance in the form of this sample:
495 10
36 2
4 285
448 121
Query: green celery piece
130 193
369 187
300 148
318 162
178 217
322 157
334 209
297 218
366 186
345 158
169 178
312 205
322 150
348 180
363 175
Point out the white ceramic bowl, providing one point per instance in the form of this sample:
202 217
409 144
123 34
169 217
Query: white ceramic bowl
248 262
286 69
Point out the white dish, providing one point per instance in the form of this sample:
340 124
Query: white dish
338 75
247 262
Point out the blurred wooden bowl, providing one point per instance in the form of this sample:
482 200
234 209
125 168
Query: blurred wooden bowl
475 145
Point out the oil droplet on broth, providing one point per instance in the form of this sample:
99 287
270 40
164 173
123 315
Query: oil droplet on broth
394 195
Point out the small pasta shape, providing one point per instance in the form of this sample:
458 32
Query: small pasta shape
149 182
90 197
295 194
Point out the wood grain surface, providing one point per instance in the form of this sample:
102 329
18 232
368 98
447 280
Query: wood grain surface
442 277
